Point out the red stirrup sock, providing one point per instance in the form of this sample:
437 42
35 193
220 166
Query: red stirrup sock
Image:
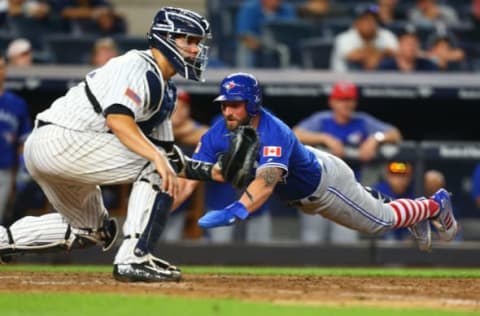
410 212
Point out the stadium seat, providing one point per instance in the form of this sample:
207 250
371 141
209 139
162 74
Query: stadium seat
4 41
316 53
225 23
332 27
126 43
32 29
66 49
288 34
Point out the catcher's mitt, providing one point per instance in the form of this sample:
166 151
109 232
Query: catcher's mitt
238 162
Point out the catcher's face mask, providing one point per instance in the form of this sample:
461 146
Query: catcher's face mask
171 24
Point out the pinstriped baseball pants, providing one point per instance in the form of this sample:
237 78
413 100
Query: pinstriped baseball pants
70 166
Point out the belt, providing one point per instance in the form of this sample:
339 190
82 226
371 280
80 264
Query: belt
41 123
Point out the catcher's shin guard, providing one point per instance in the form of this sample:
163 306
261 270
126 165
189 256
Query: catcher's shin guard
67 238
155 225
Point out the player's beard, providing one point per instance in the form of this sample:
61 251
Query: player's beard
233 122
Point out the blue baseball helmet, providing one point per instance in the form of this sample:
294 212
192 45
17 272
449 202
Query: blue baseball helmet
170 23
241 87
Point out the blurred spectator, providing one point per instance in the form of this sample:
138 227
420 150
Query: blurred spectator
342 126
338 129
317 10
28 195
14 128
476 17
476 185
91 16
187 134
444 54
408 57
3 13
29 8
31 20
388 12
397 183
433 180
250 20
428 12
187 131
19 53
104 49
364 44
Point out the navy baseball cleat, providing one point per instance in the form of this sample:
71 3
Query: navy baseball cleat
423 235
5 259
444 222
144 272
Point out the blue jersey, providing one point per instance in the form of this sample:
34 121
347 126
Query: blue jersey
352 134
278 148
476 183
385 188
251 17
218 194
14 127
360 127
421 64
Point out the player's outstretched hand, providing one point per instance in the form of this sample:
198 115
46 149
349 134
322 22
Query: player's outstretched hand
225 217
168 175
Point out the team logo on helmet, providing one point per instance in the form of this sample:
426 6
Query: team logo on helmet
229 85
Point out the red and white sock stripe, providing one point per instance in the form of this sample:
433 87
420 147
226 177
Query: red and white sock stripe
410 212
449 221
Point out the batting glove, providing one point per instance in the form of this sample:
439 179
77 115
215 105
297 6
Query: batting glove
225 217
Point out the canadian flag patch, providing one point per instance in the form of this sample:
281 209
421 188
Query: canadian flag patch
272 151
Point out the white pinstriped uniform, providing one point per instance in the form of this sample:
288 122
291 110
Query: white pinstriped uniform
73 155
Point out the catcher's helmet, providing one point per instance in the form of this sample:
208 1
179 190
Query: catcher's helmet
241 87
170 23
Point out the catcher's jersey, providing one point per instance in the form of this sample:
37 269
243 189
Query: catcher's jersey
132 80
278 148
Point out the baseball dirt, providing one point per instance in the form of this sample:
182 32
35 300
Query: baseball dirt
391 292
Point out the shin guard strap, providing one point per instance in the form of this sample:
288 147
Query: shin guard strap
10 236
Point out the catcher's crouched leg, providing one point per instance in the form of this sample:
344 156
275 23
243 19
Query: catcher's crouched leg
51 233
148 211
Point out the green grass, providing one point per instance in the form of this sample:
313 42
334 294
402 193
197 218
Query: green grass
119 305
361 272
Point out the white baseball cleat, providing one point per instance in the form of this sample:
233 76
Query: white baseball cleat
153 269
444 222
423 235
